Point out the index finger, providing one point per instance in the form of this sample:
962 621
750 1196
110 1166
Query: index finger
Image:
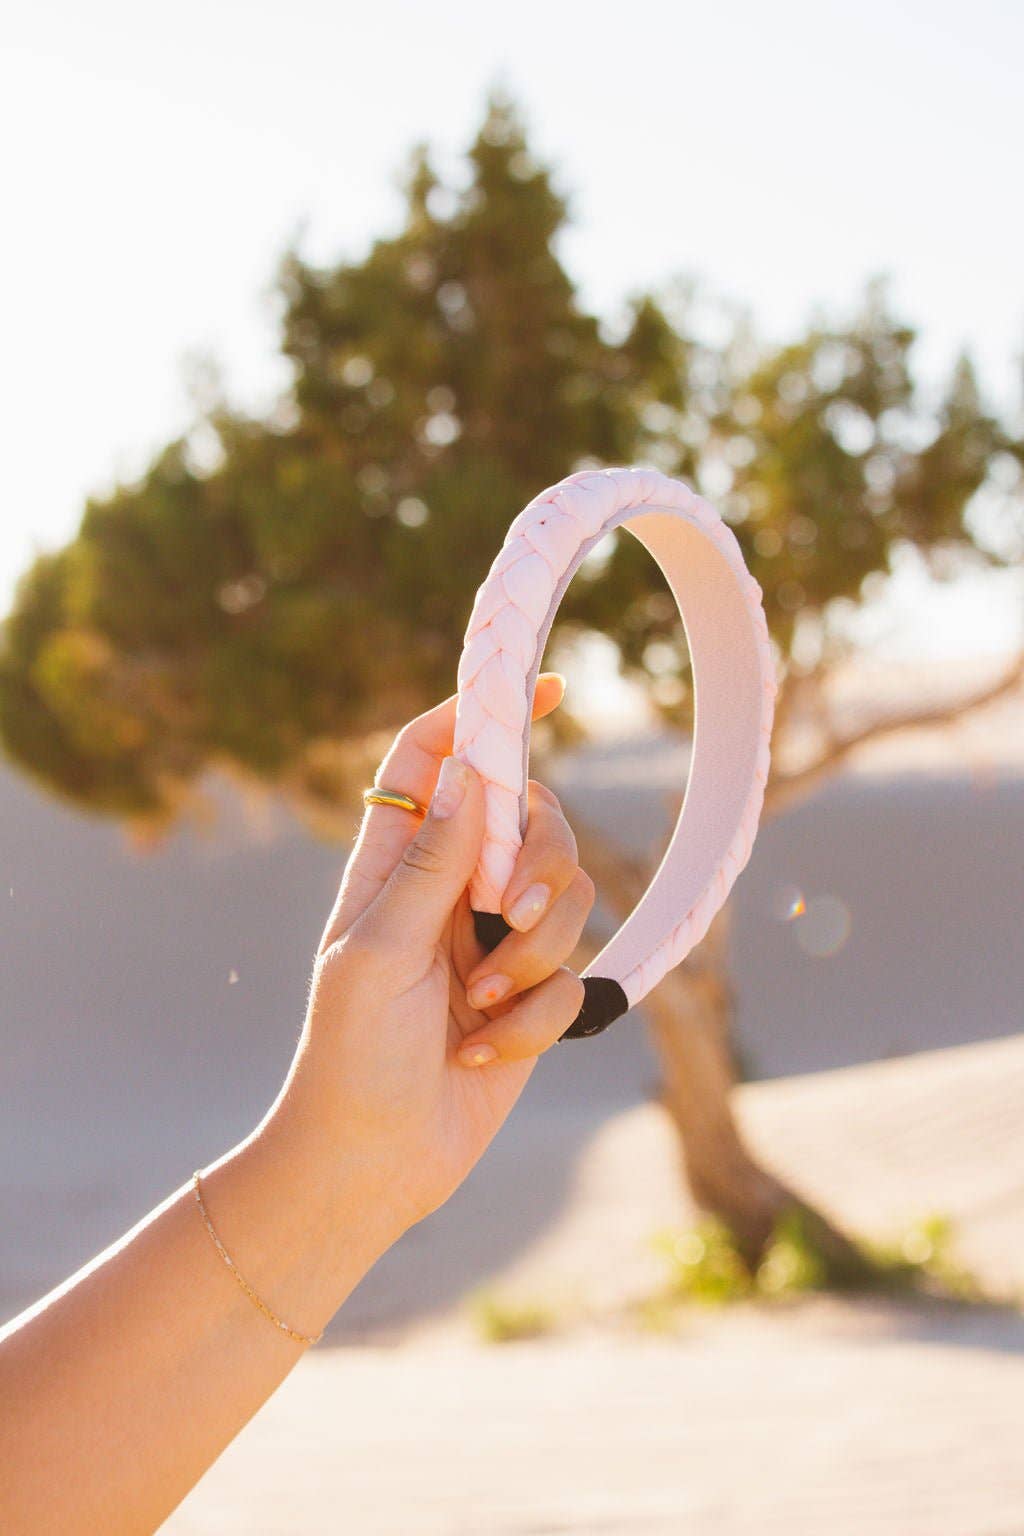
410 765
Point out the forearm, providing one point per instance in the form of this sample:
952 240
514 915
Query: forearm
121 1387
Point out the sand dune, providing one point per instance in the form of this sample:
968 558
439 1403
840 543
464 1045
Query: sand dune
862 1419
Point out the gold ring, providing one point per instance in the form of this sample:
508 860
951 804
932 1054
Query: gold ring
393 797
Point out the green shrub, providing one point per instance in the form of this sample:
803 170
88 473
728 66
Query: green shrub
706 1267
922 1257
501 1320
704 1264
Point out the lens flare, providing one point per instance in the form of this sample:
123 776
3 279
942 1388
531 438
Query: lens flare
824 927
788 902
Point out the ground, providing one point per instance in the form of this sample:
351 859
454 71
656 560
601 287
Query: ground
860 1418
150 1010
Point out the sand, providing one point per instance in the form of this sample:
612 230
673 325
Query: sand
857 1418
150 1010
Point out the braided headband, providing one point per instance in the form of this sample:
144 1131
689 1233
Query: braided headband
734 693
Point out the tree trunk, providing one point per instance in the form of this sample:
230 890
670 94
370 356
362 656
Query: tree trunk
690 1016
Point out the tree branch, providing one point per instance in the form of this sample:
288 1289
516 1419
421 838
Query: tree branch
783 788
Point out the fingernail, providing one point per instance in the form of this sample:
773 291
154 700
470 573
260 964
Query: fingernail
451 787
490 989
527 908
477 1055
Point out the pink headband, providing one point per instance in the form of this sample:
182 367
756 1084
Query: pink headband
734 683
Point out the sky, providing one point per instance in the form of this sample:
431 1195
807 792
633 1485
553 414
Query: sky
160 160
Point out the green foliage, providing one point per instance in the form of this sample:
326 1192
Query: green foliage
308 577
793 1262
705 1265
923 1256
503 1320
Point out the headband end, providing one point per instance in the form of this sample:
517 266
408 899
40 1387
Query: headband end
604 1001
490 928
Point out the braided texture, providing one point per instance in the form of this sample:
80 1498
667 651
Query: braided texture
507 626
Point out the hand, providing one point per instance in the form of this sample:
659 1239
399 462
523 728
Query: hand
417 1044
152 1349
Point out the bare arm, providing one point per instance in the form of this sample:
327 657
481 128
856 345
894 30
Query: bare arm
121 1387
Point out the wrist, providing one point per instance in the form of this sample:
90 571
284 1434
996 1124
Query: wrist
302 1218
353 1142
342 1187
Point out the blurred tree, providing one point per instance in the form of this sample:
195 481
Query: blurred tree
274 590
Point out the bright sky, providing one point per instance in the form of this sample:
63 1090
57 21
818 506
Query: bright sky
160 159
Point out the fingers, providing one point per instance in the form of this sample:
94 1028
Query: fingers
546 864
415 904
547 903
411 765
527 966
538 1019
522 960
414 757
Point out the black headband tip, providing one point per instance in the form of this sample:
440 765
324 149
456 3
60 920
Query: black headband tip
603 1002
490 929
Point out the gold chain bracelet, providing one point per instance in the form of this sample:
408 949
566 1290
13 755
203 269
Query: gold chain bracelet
257 1301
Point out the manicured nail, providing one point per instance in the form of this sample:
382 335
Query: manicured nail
477 1055
490 989
526 910
451 788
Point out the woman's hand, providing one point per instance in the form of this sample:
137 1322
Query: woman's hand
417 1044
136 1372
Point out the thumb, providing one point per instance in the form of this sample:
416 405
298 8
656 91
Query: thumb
435 868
